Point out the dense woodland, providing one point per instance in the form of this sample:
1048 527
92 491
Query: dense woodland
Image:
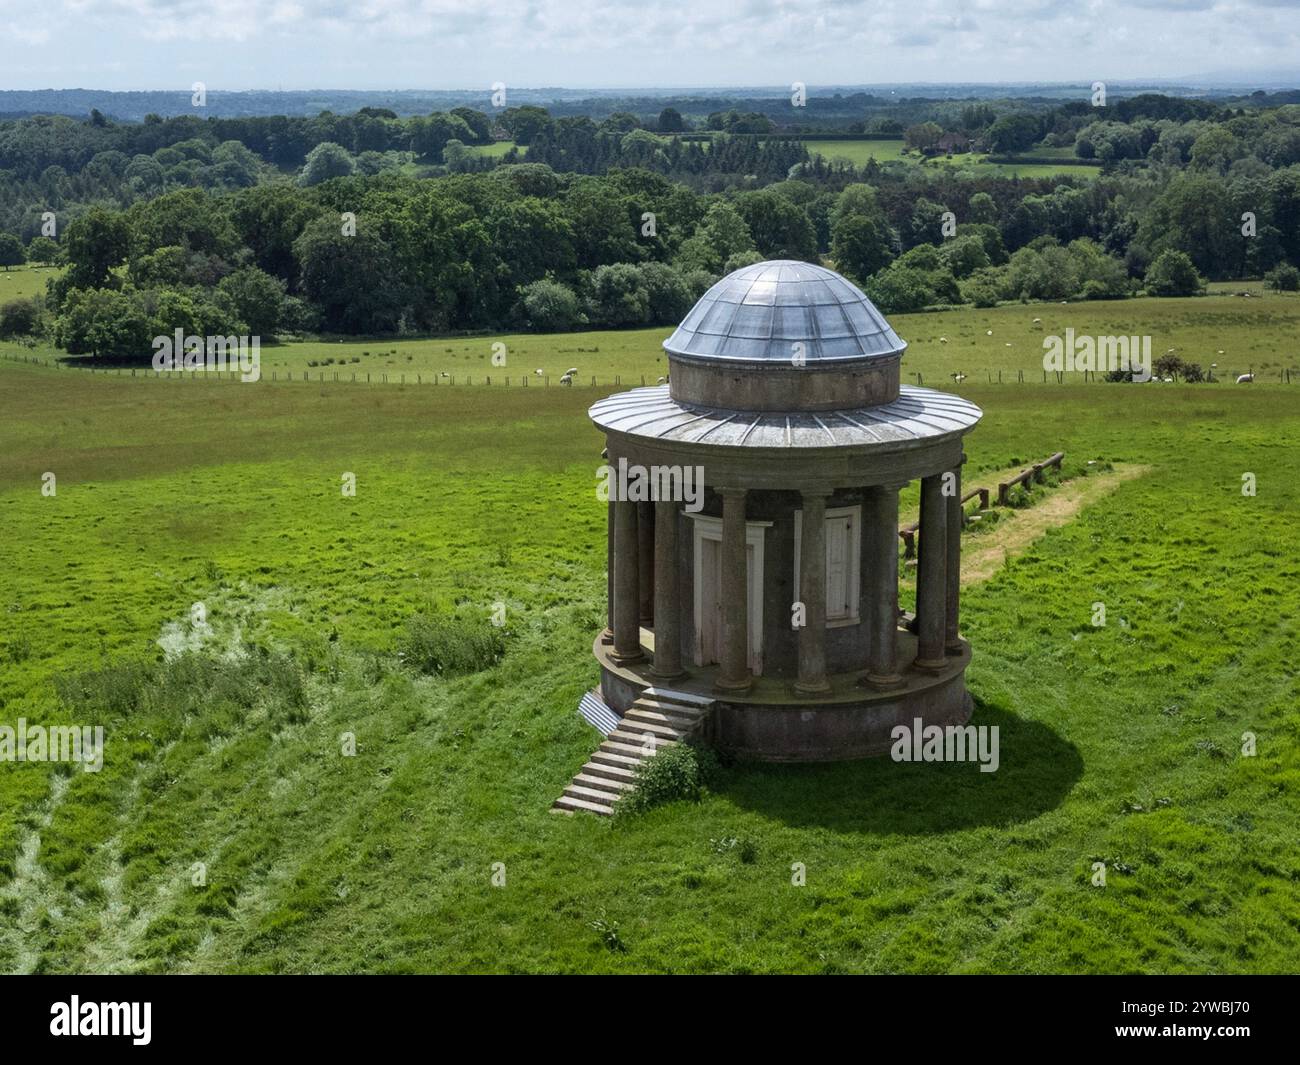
373 224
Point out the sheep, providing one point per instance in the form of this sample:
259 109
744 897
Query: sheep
1245 379
1038 321
539 372
943 340
566 380
662 381
572 371
959 377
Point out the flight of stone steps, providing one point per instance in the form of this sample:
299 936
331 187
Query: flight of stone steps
658 718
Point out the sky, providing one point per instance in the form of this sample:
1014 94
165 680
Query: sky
471 44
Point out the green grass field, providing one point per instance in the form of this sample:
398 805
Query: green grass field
1120 744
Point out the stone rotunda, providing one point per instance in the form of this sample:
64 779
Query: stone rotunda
773 592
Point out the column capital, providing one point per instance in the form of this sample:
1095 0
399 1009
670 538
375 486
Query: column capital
732 492
816 493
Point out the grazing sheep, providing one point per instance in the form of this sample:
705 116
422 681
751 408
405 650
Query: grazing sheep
566 380
662 381
959 377
943 340
572 371
444 374
1245 379
539 372
1038 321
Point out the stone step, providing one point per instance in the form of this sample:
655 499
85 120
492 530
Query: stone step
640 712
685 698
599 783
567 804
655 728
632 751
690 713
610 772
615 759
668 717
629 736
597 795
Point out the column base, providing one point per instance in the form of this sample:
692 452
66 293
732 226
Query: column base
955 647
930 665
667 674
607 637
721 684
811 689
882 681
621 659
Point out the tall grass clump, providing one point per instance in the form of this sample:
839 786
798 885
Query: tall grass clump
444 645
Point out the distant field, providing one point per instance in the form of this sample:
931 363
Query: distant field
857 152
496 149
979 164
24 281
1252 334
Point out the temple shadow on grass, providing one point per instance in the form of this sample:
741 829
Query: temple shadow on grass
1037 768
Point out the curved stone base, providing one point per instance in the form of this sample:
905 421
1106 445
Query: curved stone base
771 723
836 733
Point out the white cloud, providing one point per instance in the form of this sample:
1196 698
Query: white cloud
452 43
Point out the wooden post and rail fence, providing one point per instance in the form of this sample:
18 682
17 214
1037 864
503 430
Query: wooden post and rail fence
1034 473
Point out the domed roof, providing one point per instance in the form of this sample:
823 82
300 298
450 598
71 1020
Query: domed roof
759 312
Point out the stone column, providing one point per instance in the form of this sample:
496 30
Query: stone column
645 539
931 587
952 641
627 623
608 635
880 541
733 673
812 593
668 601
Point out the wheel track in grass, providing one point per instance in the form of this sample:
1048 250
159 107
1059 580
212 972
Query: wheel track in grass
30 883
